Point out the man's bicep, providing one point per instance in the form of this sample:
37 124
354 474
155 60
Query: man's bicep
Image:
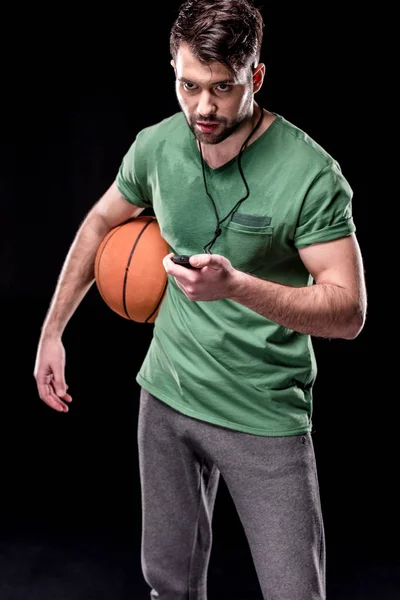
338 262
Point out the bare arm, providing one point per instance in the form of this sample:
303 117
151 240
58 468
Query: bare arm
74 281
77 273
335 307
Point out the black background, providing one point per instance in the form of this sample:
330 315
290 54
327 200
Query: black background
78 86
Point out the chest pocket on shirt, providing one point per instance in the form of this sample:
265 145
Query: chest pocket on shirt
247 241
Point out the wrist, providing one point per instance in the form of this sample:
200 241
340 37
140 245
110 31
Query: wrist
238 285
51 332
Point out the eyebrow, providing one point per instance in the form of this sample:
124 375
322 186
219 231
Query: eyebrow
225 81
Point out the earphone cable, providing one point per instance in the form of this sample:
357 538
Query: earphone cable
218 230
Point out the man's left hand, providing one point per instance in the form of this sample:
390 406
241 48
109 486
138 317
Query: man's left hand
213 278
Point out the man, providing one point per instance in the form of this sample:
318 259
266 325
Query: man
226 384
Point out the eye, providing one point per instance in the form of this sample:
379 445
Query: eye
188 86
224 87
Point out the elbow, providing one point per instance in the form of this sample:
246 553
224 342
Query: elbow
352 332
355 325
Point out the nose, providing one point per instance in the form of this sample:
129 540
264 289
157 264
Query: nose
206 104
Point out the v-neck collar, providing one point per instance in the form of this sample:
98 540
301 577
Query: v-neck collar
233 160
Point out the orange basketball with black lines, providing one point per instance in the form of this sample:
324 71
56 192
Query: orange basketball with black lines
129 273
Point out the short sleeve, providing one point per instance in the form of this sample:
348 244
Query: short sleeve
326 212
131 175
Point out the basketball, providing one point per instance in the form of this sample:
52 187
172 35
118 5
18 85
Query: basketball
129 272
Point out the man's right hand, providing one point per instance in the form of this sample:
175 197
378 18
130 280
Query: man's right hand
74 281
50 374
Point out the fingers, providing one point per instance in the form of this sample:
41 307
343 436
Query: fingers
206 260
173 268
59 386
55 399
167 262
199 261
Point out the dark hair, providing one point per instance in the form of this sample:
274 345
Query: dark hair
227 31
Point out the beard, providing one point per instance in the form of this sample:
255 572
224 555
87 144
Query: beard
225 126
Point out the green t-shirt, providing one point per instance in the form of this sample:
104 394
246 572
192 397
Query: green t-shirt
220 361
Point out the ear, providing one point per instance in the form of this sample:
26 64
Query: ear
172 63
258 77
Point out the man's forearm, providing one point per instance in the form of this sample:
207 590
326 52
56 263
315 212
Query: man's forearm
75 279
322 310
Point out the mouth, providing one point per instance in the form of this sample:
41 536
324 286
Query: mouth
207 127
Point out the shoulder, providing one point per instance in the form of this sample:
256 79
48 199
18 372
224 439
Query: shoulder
302 147
150 141
173 126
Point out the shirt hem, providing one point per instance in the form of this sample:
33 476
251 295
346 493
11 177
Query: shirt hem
214 420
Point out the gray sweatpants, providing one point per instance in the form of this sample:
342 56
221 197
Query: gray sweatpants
274 486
